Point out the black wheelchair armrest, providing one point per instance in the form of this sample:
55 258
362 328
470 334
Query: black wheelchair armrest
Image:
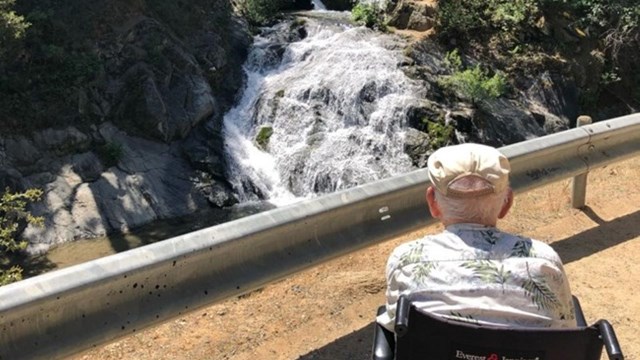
577 309
383 341
610 340
402 316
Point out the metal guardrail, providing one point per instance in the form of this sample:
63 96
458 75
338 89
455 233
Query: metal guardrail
73 309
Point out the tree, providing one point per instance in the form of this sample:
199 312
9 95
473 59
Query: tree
261 12
12 28
368 15
13 212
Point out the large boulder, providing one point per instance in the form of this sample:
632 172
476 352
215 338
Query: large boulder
84 198
412 15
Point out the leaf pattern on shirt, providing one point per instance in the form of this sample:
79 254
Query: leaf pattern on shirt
460 317
538 290
488 271
522 248
414 255
421 271
489 236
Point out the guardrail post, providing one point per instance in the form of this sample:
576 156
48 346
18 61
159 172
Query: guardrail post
579 184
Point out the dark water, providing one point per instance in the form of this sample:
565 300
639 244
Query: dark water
80 251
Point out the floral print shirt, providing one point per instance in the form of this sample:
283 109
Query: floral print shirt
480 274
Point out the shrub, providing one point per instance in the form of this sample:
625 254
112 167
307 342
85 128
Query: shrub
12 27
439 134
459 18
368 15
512 16
12 213
260 12
453 60
475 84
470 18
111 153
364 14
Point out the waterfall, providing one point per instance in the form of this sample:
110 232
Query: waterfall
335 99
318 5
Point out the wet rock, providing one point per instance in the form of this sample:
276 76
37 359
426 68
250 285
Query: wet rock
417 146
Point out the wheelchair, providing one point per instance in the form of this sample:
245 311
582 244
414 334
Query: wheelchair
419 335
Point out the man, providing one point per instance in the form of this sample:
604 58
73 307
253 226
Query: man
472 271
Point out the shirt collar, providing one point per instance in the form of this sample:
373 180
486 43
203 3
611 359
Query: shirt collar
454 228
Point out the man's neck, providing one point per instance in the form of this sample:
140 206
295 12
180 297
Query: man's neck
447 222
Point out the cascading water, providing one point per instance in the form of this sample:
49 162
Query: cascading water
336 102
318 5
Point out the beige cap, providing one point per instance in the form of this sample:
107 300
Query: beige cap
451 163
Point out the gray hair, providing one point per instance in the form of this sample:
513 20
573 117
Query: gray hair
481 209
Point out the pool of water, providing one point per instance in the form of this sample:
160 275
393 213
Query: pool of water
84 250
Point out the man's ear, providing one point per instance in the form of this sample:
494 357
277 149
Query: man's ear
434 209
508 202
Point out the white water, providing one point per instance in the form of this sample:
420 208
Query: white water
318 5
336 102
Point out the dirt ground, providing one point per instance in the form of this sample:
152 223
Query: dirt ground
327 312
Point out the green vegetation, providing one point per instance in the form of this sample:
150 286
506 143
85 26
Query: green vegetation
264 134
368 15
266 12
54 55
465 19
39 81
185 17
597 41
453 60
263 12
12 28
440 134
474 83
111 153
13 213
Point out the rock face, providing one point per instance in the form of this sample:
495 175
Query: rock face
543 105
412 15
148 144
86 197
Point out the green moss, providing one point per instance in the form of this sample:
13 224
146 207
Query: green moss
439 134
297 22
264 134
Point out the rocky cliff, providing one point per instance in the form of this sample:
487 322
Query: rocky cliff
142 137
